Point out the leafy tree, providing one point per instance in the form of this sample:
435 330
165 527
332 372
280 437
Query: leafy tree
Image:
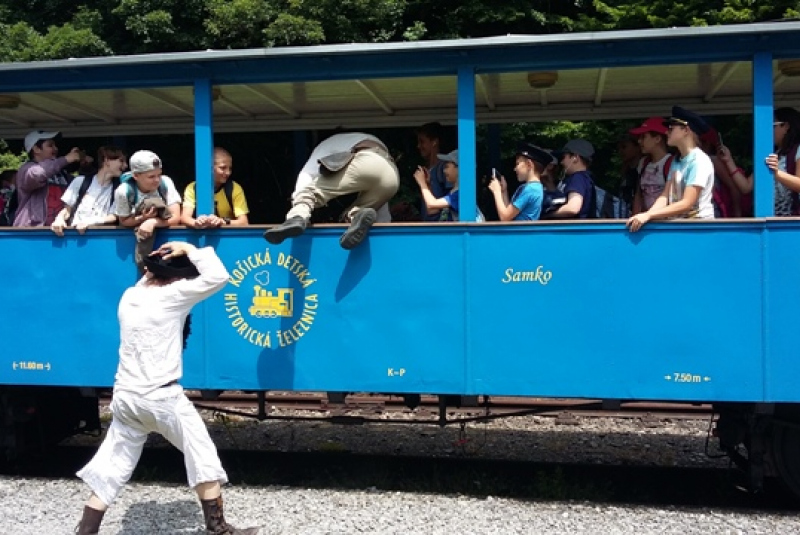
8 160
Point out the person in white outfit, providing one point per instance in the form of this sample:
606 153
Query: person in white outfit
147 397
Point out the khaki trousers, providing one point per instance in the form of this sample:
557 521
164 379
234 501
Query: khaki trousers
371 174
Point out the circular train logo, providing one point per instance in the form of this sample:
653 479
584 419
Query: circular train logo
263 312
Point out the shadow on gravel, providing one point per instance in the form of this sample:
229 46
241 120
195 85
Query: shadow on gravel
151 517
525 480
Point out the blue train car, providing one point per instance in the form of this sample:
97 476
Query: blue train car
551 309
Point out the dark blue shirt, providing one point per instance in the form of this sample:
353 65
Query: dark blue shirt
581 183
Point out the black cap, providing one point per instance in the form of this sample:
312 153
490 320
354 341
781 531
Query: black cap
175 268
580 147
537 154
684 117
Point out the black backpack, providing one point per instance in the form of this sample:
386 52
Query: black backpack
84 187
227 188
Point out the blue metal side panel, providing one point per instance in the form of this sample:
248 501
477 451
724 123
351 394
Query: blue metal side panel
574 312
375 320
60 298
673 312
782 302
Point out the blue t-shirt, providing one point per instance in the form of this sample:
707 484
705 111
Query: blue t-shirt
439 187
528 200
451 212
581 183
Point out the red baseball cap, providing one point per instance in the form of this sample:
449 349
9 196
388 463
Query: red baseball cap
653 124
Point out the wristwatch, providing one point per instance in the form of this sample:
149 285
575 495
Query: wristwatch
227 220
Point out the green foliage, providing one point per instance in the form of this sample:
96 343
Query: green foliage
9 160
51 29
238 23
627 14
162 25
288 29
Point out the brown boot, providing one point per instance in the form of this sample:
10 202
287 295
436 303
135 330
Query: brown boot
215 520
90 522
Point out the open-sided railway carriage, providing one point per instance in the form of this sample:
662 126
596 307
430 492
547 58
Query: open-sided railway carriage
309 316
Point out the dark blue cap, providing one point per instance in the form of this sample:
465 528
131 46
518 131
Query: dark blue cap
537 154
684 117
579 147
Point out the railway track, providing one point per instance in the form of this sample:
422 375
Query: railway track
439 410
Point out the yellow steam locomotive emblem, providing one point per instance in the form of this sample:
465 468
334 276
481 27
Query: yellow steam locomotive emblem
267 305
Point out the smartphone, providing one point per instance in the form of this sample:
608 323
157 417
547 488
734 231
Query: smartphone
494 174
719 140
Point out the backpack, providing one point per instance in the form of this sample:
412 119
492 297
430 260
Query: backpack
10 209
604 205
667 166
227 188
791 168
133 191
84 187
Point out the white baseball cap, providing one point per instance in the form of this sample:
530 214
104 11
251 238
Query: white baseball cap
36 136
449 157
143 161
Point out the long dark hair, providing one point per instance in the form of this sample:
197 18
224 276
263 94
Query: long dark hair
187 329
792 137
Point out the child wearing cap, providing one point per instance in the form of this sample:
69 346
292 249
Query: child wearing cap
147 200
578 186
147 182
652 136
526 203
447 205
42 180
688 191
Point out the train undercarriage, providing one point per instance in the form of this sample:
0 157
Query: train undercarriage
762 440
34 419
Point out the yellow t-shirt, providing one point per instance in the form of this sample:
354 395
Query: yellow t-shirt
222 208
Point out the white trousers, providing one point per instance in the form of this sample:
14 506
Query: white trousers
166 411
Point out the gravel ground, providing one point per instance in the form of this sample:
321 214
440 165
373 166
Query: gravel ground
27 504
28 507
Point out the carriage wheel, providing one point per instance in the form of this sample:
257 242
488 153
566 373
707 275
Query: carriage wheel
785 445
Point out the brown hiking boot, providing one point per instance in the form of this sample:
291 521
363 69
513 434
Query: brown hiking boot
90 522
215 520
